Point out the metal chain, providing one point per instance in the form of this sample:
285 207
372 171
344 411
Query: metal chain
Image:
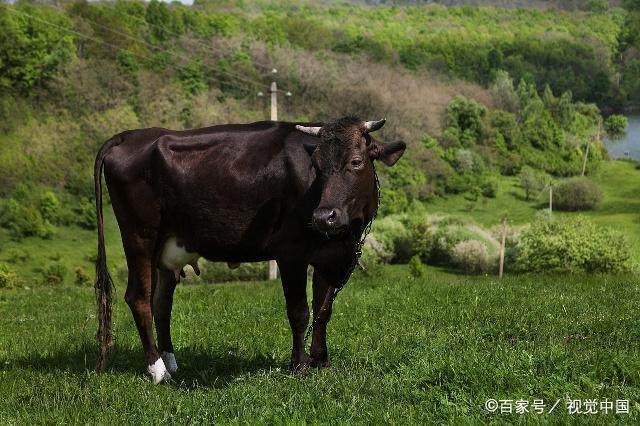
356 259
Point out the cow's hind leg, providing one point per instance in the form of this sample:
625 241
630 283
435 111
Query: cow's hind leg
162 305
294 284
142 274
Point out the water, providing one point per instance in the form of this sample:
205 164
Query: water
628 146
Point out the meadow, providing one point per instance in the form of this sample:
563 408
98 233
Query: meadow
403 350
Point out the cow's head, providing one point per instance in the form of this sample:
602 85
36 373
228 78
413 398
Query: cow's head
344 159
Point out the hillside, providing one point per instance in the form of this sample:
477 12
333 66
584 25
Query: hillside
479 94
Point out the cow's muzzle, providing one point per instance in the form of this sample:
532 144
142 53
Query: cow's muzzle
329 221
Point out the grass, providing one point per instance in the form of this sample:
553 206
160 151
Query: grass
403 350
620 208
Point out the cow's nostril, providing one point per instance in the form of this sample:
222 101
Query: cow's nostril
332 216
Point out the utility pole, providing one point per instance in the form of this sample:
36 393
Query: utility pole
273 266
586 152
502 246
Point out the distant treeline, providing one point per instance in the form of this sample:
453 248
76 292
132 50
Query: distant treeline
475 92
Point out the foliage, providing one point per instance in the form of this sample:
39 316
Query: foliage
572 244
23 221
54 273
471 257
616 124
416 267
532 181
577 194
82 278
8 277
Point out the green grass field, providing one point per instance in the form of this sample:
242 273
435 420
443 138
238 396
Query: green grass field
619 181
403 350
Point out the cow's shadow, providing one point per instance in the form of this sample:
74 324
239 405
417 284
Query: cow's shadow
197 367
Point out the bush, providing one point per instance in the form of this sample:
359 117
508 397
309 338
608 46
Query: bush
416 267
572 244
577 194
8 277
49 206
471 257
54 273
532 181
86 214
616 125
82 278
421 237
23 220
16 255
489 188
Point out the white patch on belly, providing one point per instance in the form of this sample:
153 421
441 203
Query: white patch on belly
175 257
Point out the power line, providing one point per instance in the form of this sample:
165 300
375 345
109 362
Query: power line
160 49
88 37
176 34
201 43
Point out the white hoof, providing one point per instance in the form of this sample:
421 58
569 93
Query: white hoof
170 362
158 372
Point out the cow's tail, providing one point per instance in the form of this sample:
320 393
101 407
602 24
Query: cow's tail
104 284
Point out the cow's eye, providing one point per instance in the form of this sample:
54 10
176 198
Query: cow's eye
356 162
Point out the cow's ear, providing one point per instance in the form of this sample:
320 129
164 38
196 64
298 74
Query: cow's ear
388 153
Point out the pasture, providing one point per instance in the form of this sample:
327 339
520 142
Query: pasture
404 349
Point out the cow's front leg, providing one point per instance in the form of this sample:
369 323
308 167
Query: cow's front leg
162 305
321 289
294 284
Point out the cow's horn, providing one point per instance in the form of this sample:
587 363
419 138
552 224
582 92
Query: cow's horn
314 131
372 126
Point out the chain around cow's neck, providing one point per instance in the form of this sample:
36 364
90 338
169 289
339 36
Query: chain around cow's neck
356 260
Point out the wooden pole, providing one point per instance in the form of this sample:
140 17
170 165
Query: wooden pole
550 198
273 266
586 152
586 155
502 245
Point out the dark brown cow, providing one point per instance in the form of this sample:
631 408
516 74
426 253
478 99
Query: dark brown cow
297 193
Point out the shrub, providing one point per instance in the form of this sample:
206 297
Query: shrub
86 214
374 249
471 257
16 255
82 278
421 237
8 277
572 244
393 235
532 181
49 206
616 124
444 240
54 273
489 188
416 267
577 194
23 220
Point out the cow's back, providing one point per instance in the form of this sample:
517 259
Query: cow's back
220 190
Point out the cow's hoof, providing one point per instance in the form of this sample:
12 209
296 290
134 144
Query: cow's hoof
159 372
320 363
170 362
301 366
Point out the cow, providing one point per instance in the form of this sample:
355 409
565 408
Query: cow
299 193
